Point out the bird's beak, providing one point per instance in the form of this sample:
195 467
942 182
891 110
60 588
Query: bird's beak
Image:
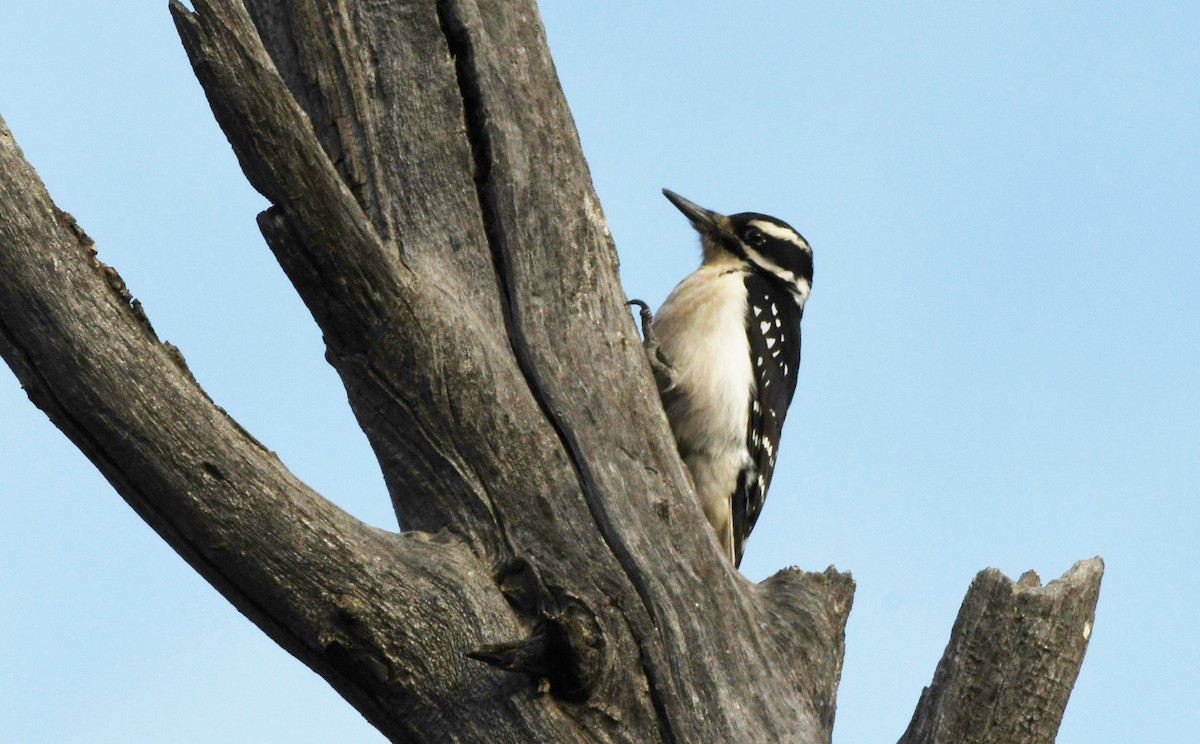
704 220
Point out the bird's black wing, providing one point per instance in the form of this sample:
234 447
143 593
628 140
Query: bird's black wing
773 326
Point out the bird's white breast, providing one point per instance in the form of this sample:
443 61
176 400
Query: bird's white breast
702 329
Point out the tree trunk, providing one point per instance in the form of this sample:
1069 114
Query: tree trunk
557 580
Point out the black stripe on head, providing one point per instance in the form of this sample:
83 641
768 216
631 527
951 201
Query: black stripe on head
781 246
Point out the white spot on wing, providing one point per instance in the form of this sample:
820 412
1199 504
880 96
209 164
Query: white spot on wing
770 341
763 326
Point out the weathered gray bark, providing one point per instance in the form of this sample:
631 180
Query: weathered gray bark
1012 659
433 209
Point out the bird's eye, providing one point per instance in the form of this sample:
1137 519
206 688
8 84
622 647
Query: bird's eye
754 236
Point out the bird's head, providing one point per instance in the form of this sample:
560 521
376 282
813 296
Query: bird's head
769 246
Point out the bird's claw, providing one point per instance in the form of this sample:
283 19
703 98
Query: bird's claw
646 316
660 364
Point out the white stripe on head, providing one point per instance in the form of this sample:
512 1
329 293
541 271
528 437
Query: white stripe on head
780 233
800 286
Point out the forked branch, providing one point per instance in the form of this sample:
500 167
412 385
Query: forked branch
432 207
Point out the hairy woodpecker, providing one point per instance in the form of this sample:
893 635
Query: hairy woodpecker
725 348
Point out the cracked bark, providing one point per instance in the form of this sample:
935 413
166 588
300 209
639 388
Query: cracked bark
433 209
1015 647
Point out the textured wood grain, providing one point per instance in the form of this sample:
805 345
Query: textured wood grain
386 618
433 209
565 478
1012 659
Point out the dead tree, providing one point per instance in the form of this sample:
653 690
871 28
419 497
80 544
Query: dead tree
556 581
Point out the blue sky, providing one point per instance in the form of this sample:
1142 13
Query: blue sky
1001 350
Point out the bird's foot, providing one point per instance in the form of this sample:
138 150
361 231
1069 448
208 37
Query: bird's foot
660 364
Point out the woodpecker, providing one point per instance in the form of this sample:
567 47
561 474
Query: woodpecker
725 350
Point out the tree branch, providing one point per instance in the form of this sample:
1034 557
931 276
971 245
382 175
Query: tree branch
433 209
445 122
387 619
1012 659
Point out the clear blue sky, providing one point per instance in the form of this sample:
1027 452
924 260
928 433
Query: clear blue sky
1001 351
